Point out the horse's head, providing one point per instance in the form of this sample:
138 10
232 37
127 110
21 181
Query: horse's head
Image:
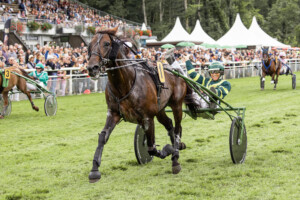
265 54
103 49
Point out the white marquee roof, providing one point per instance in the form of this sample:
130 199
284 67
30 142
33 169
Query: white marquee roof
144 28
237 35
178 33
199 35
262 38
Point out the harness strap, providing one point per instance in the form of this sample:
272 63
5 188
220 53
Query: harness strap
118 100
267 67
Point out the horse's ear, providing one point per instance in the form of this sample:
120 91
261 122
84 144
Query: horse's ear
113 31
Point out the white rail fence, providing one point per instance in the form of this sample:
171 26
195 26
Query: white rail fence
76 84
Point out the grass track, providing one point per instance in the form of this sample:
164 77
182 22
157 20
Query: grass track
50 157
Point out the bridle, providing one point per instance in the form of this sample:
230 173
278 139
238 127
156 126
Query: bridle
265 52
115 41
91 51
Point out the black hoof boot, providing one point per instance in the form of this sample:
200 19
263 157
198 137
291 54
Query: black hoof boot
94 176
182 146
176 168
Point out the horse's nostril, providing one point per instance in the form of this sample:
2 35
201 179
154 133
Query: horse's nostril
95 67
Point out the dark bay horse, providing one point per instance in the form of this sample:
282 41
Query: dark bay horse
15 81
132 95
270 67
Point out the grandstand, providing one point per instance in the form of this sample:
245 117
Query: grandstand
71 23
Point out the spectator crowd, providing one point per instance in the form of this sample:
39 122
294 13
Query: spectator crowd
54 58
202 57
65 13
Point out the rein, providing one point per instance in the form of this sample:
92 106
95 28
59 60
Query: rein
104 61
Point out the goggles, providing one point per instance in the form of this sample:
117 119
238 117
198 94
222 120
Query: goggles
214 71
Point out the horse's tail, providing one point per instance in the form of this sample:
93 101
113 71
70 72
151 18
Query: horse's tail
24 73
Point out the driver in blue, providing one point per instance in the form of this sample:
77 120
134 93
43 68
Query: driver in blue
215 83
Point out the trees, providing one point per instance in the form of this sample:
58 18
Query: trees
279 18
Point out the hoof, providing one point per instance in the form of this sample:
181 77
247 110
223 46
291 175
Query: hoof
274 88
94 176
182 146
262 89
36 108
176 169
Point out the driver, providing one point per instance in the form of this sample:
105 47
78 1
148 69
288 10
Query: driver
40 75
215 83
282 59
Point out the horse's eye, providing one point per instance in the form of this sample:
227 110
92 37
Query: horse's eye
106 44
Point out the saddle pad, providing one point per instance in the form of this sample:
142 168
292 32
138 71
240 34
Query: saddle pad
5 78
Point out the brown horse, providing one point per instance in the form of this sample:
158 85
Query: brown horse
270 67
132 95
15 81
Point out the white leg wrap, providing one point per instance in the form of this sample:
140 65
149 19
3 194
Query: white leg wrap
272 82
263 79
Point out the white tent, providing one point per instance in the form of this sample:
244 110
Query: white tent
178 33
144 28
199 35
237 35
262 38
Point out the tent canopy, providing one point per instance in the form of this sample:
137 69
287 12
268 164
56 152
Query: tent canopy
178 33
237 35
144 28
262 38
199 34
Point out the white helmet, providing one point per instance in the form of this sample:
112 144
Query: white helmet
282 54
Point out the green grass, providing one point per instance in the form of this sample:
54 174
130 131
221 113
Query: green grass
50 157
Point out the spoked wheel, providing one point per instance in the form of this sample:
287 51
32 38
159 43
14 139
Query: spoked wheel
140 146
8 110
294 81
50 105
237 144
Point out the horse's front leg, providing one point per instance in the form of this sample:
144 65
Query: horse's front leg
5 105
111 120
262 80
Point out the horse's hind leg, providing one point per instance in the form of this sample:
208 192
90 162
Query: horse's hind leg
275 82
177 112
34 107
111 121
167 122
5 105
22 86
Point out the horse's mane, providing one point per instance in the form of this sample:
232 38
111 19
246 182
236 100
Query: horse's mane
23 72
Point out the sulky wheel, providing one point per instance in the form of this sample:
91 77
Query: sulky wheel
294 81
238 147
8 110
140 146
50 105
